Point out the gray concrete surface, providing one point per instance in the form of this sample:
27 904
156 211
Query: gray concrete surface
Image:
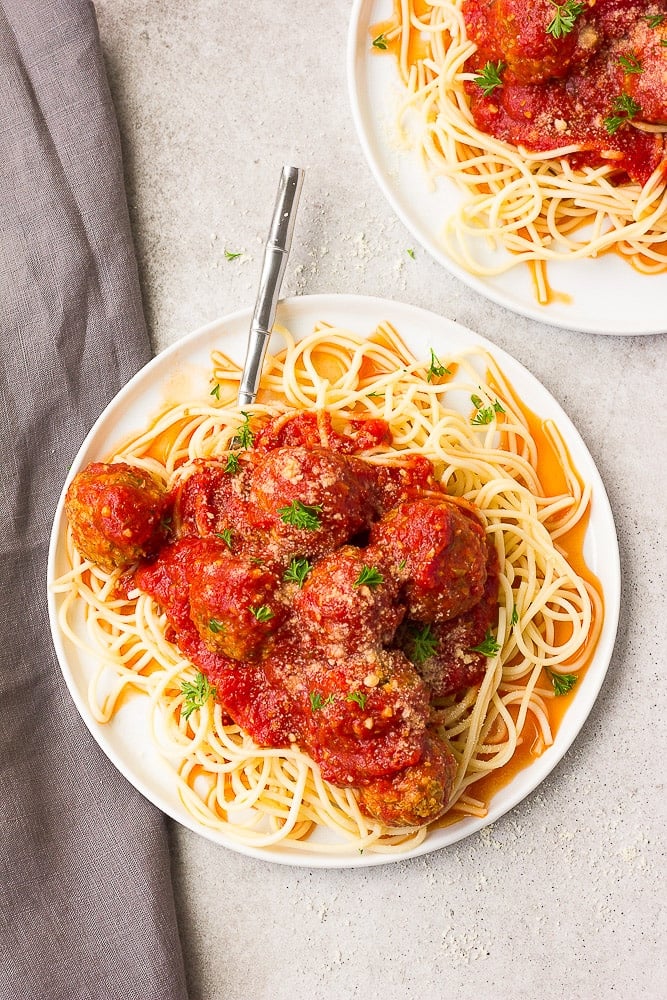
564 897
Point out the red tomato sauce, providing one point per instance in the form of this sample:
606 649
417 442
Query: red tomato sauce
327 599
588 85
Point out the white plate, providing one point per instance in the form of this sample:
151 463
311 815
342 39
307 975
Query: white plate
607 295
182 372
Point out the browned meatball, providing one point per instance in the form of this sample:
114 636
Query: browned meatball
234 603
515 32
444 652
443 551
212 498
118 514
349 601
416 795
308 501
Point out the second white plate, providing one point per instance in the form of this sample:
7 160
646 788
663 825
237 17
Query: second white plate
607 295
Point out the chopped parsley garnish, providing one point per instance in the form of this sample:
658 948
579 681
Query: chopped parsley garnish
232 255
166 522
630 64
489 646
410 252
562 23
226 536
424 644
369 577
654 20
489 77
359 697
301 515
485 414
514 620
436 368
626 109
244 435
215 391
375 395
562 683
263 613
216 626
317 702
380 42
196 694
297 571
232 464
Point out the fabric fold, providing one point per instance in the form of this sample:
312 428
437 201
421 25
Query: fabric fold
86 901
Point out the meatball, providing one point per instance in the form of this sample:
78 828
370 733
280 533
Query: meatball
118 513
454 664
418 794
212 499
234 603
348 601
443 551
308 501
514 31
366 716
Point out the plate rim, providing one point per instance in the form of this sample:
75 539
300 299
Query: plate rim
357 57
315 306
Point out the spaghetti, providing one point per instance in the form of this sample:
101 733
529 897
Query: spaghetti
530 183
462 415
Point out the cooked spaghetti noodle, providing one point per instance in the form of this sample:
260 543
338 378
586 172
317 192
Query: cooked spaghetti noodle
536 205
549 615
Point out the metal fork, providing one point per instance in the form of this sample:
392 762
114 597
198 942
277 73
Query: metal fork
276 252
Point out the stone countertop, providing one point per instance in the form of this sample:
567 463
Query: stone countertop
561 897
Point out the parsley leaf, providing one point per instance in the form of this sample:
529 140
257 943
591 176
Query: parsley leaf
562 23
369 577
514 620
317 702
359 697
654 20
485 414
380 42
297 571
301 515
424 644
410 252
489 646
226 536
231 255
232 464
562 683
244 435
436 368
626 109
263 613
196 694
489 77
215 391
630 64
216 626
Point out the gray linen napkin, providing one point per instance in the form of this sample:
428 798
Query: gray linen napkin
86 903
